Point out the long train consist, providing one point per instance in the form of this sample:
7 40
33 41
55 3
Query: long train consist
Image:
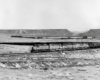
64 46
46 47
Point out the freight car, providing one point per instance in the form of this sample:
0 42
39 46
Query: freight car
56 47
94 45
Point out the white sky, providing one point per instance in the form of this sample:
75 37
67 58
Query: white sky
75 15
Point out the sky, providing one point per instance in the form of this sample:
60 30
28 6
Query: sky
74 15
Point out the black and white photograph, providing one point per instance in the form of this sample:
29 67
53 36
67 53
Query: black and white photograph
49 39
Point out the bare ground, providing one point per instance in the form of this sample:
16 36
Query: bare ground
67 73
86 67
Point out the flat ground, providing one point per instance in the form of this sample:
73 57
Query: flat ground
8 38
67 73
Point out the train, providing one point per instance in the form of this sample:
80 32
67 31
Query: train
59 47
46 47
